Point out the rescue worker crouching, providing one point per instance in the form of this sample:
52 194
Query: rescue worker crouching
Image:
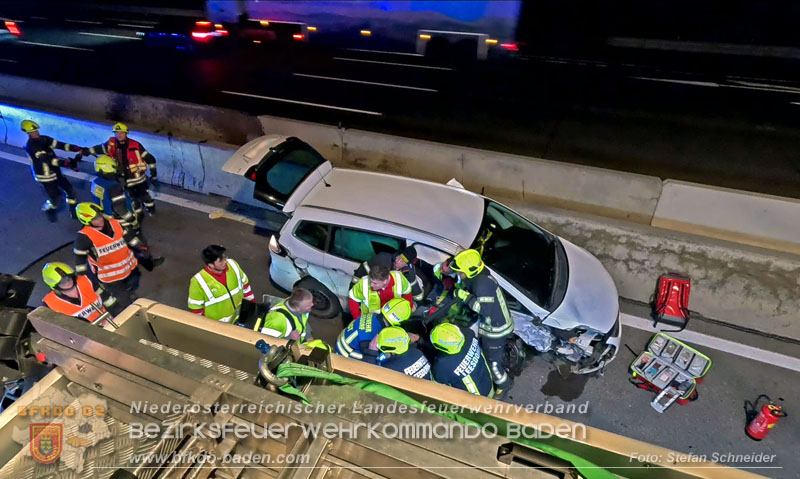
459 361
288 319
46 167
217 291
112 197
405 261
359 339
370 293
75 295
109 252
399 354
480 293
134 162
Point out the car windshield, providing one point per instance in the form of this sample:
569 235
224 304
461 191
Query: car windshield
524 254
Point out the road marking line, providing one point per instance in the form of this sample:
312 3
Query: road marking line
685 82
298 102
56 46
795 103
7 60
38 18
767 85
392 63
365 82
85 21
759 88
212 211
109 35
135 26
738 349
382 51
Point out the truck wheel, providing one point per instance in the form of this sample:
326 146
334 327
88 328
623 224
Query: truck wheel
326 304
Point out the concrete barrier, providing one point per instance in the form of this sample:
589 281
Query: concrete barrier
610 193
171 118
190 165
750 218
740 285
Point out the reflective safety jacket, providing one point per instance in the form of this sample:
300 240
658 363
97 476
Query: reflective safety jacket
280 321
364 300
131 156
109 194
466 370
216 300
88 305
354 340
487 299
44 162
111 259
411 363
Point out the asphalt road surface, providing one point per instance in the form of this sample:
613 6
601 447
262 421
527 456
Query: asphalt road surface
712 426
736 130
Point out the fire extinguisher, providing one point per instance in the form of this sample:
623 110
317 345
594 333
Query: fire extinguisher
760 421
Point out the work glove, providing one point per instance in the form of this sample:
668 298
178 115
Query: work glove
85 151
462 294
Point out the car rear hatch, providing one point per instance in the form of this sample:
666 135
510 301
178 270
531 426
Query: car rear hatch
284 169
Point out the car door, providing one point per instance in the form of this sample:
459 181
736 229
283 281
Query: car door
349 247
308 243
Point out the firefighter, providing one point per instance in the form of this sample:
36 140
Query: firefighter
288 319
134 161
404 261
481 294
112 197
398 354
46 167
371 292
74 295
459 361
217 291
358 339
110 253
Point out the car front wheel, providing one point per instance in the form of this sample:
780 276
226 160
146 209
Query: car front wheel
326 304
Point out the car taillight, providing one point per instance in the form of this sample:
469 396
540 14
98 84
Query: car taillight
512 47
274 247
13 28
298 36
202 35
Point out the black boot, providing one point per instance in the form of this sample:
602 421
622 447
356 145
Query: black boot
50 210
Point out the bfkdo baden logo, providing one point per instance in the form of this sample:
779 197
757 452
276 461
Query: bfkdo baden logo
46 442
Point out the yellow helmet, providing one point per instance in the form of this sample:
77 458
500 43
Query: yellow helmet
119 127
393 340
86 212
105 164
396 311
448 338
468 262
29 126
53 273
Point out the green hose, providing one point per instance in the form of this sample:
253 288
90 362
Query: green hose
288 370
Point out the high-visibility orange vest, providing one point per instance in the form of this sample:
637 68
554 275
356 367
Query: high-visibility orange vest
89 308
115 261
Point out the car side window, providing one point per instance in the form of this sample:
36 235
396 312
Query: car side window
359 246
313 234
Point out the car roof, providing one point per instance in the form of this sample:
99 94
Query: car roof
446 211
